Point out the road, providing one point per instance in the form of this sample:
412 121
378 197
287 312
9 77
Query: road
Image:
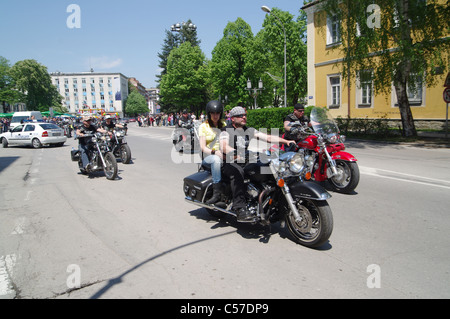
64 235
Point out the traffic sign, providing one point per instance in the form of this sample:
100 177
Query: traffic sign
447 95
447 81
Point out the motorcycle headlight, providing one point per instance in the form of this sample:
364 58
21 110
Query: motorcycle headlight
94 140
296 164
118 134
333 138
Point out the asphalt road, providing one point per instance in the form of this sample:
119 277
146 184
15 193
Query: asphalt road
65 235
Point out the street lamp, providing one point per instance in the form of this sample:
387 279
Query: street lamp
256 91
177 27
268 10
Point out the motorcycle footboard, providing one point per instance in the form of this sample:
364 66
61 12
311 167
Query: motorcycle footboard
308 190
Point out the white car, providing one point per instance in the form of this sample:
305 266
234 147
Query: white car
34 134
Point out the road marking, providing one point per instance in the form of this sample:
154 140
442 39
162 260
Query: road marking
404 177
6 265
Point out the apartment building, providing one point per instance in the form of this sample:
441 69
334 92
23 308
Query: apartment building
92 93
327 87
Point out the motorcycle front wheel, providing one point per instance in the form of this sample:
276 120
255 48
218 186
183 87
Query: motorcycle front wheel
125 154
316 224
347 178
110 168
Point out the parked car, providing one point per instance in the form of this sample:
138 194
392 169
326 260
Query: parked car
34 134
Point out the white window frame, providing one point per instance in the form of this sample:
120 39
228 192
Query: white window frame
334 91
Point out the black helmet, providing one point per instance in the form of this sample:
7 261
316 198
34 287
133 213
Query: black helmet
214 107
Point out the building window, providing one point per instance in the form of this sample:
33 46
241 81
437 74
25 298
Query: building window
364 89
334 91
333 30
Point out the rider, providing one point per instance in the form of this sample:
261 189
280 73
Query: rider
235 140
293 133
185 120
84 145
209 133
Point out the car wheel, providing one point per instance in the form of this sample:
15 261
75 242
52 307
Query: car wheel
4 142
36 143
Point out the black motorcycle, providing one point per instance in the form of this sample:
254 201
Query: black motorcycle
119 146
277 190
185 138
100 156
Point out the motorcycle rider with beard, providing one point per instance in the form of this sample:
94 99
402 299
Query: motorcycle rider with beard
84 145
235 140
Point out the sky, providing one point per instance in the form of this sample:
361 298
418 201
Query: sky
117 36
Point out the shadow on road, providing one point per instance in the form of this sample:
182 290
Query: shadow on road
117 280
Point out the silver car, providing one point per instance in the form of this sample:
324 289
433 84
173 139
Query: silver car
34 134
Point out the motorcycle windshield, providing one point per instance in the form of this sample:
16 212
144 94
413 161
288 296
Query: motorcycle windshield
322 121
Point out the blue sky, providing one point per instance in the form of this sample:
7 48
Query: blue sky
117 36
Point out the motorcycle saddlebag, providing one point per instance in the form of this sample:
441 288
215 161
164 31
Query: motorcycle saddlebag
195 186
75 155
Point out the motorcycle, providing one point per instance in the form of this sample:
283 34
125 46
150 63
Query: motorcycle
324 151
185 138
100 157
119 146
276 191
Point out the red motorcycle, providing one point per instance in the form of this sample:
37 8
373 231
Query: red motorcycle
324 153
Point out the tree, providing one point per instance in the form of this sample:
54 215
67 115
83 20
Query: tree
273 38
174 40
228 64
136 104
399 42
33 80
185 85
8 93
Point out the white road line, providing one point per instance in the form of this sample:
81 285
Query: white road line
421 180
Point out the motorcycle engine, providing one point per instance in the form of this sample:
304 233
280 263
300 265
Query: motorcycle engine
252 198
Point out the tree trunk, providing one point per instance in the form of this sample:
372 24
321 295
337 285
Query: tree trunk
408 126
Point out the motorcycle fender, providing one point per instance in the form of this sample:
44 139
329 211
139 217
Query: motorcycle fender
344 156
308 190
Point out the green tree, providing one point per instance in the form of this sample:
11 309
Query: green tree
406 47
8 93
174 40
33 80
185 85
296 49
136 104
228 64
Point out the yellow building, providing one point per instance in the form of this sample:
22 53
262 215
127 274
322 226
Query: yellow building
327 87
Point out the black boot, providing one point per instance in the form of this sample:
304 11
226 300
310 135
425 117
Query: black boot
216 195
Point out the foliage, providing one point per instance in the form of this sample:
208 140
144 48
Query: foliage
228 64
296 49
136 104
409 45
28 82
186 82
174 40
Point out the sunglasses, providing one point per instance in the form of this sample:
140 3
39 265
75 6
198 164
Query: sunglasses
241 116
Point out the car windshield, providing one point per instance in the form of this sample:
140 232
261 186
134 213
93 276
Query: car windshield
49 126
19 119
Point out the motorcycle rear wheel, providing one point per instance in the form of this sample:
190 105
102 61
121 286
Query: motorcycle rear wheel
348 178
111 166
316 225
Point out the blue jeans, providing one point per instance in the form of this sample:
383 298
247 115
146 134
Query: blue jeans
214 163
84 149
